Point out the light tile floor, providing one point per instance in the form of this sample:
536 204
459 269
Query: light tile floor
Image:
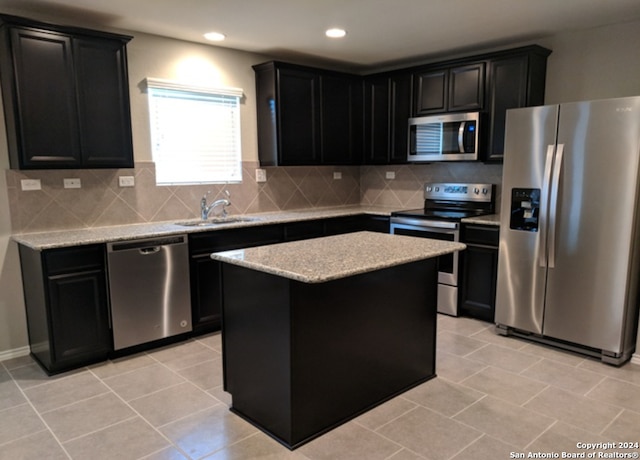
494 398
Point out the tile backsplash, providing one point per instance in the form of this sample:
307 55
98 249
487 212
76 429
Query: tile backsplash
102 202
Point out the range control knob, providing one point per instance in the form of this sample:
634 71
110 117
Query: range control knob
437 189
485 191
428 189
476 191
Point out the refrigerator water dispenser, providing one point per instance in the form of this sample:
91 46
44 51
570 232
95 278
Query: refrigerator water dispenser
525 209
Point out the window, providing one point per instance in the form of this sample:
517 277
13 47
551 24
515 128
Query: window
195 133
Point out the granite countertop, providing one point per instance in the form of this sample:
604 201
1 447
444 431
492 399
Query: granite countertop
491 219
76 237
333 257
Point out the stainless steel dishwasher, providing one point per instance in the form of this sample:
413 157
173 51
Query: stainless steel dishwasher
149 288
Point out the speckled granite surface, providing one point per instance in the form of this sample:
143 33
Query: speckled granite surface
491 219
50 240
333 257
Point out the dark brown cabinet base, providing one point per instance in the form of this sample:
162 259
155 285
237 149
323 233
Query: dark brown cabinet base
67 306
301 359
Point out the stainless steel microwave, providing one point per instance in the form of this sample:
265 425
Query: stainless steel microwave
446 137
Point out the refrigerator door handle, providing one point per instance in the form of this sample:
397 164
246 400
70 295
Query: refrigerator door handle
551 242
544 206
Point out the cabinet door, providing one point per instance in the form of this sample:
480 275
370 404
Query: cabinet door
44 108
507 90
79 317
103 103
466 88
478 290
341 121
376 121
206 293
298 114
400 111
431 92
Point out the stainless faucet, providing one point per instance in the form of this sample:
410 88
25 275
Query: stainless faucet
206 209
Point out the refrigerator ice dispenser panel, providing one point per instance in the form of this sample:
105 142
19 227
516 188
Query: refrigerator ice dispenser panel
525 209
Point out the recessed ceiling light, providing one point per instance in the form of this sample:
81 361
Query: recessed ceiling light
215 36
335 33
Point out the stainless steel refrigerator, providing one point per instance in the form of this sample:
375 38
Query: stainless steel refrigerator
568 268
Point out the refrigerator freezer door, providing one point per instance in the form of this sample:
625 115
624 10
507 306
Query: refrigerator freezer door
587 288
530 139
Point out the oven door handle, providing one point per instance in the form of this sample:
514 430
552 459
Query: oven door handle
424 224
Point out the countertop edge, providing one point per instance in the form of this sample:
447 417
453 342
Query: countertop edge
268 263
98 235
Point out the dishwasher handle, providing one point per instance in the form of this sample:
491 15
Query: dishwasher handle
147 251
146 246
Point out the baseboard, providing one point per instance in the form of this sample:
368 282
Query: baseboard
15 353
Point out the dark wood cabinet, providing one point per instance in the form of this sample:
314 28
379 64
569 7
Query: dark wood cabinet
66 96
206 274
387 111
479 269
307 116
450 89
67 306
516 79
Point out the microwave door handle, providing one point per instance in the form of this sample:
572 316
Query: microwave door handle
544 206
461 129
553 206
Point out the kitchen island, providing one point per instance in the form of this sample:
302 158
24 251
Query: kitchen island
316 332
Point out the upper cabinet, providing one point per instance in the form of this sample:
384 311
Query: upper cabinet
308 116
449 89
516 79
66 96
387 110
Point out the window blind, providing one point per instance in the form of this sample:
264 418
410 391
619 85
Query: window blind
195 133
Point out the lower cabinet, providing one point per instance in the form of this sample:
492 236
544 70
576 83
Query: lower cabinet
67 305
479 269
206 279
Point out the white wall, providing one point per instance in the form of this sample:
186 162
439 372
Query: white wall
591 64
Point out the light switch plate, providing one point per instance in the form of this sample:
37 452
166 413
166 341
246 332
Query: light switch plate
30 184
337 175
261 175
72 183
126 181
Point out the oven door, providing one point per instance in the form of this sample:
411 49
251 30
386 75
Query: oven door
447 264
438 230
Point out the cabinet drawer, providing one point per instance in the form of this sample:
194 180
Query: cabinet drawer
74 259
481 234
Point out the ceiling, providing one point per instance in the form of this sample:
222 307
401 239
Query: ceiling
380 33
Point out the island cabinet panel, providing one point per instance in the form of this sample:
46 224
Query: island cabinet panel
324 353
66 96
67 306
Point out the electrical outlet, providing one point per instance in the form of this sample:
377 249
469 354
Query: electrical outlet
72 183
30 184
337 175
126 181
261 175
390 175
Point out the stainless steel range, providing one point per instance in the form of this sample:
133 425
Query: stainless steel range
445 205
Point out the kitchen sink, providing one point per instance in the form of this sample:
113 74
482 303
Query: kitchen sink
216 221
